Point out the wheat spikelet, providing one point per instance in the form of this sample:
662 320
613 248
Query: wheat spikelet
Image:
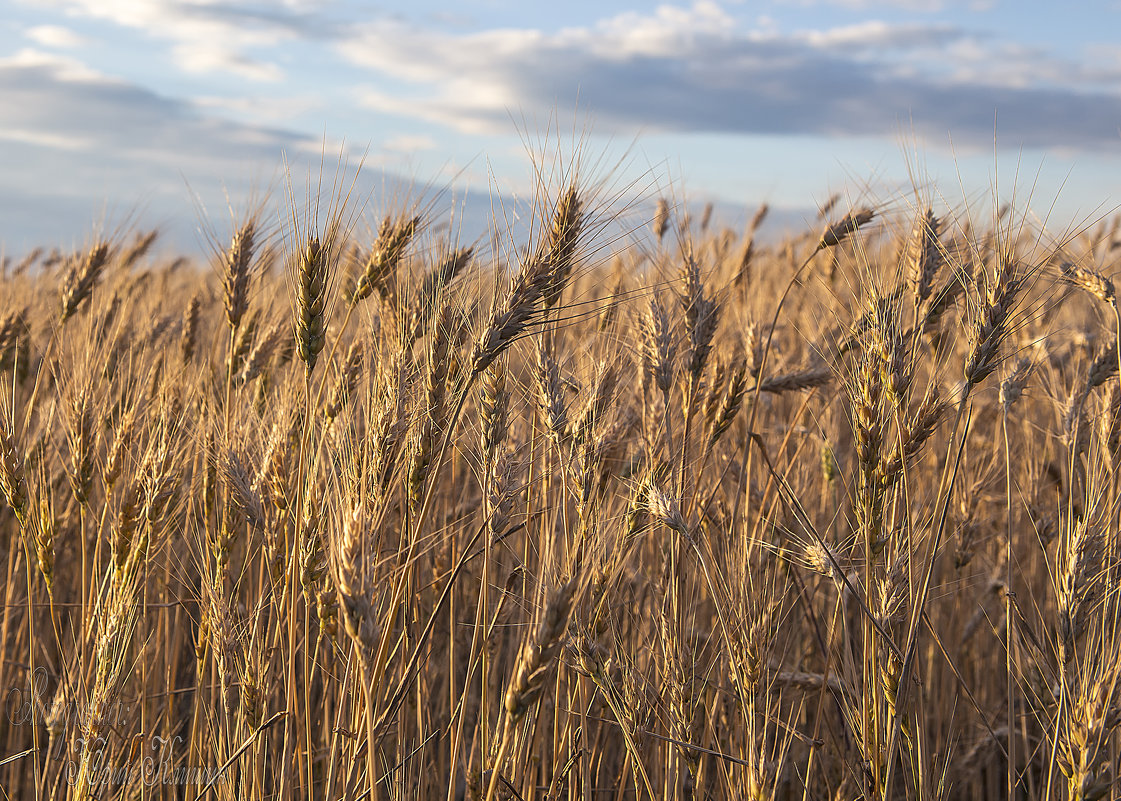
379 271
1090 281
13 480
1080 584
924 254
539 653
820 559
242 342
80 280
82 439
869 425
550 394
657 345
237 271
918 431
110 652
702 315
660 223
130 514
444 338
1110 424
493 403
838 232
274 479
434 287
991 323
510 319
1102 368
313 558
346 383
391 425
795 382
747 254
353 577
311 301
891 348
45 537
258 358
730 402
139 248
503 491
1091 720
1012 388
664 510
568 221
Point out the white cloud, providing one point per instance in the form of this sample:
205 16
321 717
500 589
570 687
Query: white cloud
206 35
63 68
876 35
201 56
409 143
928 6
263 110
44 139
54 36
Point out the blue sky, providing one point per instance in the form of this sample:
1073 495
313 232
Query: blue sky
131 108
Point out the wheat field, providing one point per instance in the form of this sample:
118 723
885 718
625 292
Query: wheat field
359 508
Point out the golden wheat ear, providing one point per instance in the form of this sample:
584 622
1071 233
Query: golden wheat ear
84 273
237 263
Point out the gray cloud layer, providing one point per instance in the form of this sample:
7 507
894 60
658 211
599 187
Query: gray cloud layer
676 68
82 150
695 71
114 118
75 139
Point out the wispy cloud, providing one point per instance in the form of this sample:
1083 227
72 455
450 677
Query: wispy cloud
83 139
697 70
220 37
409 144
920 6
58 95
54 36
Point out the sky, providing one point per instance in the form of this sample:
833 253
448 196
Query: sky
173 112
